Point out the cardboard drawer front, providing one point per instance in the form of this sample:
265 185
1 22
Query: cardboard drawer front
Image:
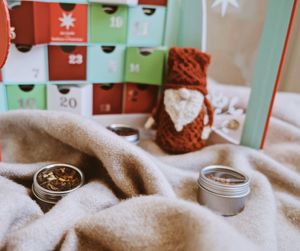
3 104
154 2
140 98
126 2
144 66
68 22
26 64
107 98
67 62
106 64
146 26
30 21
70 98
26 97
108 23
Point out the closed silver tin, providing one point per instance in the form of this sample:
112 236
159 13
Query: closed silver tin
48 198
223 189
130 134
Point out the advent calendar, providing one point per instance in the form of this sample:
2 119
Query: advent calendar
86 57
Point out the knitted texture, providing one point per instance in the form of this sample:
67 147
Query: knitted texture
187 69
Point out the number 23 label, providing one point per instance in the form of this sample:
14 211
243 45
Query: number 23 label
75 59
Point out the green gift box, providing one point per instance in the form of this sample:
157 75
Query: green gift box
26 97
144 66
108 23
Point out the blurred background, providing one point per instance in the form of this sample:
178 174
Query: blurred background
234 44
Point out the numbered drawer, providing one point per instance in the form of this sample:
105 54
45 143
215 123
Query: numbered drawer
70 98
67 62
108 23
154 2
26 64
3 105
144 66
26 97
107 98
106 64
140 98
66 1
30 22
127 2
68 22
146 26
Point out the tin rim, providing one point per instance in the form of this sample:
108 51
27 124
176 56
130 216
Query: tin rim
222 189
134 138
50 196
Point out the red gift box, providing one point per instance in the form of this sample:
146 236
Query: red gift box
154 2
67 62
68 22
107 98
30 21
140 98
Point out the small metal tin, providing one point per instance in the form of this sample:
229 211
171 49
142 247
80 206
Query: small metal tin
130 134
48 198
223 189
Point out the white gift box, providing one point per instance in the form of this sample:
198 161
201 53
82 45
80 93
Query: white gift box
114 2
70 98
26 64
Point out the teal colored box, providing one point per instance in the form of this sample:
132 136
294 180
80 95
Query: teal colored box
106 63
3 105
144 65
146 26
26 97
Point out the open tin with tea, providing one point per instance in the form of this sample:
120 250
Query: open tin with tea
53 182
130 134
223 189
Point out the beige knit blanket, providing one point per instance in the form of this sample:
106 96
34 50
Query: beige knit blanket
134 200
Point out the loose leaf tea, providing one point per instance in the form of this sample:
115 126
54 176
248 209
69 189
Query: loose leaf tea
225 178
59 179
123 131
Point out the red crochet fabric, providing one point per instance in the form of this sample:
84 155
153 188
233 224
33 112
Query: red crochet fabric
187 69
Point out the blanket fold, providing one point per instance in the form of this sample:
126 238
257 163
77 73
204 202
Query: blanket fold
137 199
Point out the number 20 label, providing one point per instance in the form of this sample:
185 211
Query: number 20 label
68 102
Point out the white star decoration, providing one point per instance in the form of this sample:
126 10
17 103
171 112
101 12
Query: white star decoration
224 5
67 21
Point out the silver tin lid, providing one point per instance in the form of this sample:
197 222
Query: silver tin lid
130 134
224 181
50 196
